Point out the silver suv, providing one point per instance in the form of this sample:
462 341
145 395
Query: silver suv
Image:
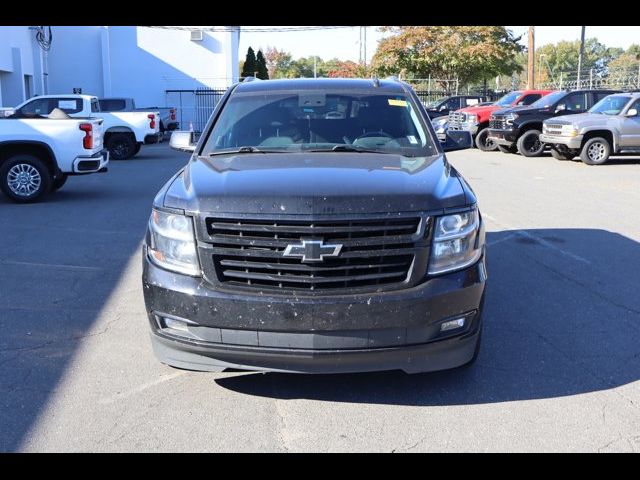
611 126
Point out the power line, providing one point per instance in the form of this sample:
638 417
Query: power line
251 30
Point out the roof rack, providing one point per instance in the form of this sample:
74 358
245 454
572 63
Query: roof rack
375 80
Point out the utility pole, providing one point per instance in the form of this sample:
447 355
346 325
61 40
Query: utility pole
315 62
531 62
580 57
365 47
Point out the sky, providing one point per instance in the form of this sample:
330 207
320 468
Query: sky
344 43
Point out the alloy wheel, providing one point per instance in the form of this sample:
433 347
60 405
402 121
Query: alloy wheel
24 179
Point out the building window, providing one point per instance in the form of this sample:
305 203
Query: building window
28 80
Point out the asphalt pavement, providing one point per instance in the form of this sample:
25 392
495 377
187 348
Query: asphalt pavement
559 368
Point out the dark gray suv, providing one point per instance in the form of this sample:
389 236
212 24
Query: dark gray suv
317 228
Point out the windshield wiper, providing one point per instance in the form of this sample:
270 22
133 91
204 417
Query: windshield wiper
347 148
247 149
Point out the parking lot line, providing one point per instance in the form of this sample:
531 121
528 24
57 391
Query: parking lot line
50 265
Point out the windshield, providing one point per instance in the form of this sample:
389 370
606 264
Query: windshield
548 100
611 105
434 103
314 120
508 99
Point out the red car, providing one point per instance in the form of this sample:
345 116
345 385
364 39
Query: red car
475 119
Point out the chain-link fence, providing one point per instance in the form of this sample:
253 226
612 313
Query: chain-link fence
624 78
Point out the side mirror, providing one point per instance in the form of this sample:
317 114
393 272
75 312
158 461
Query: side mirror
442 108
182 141
457 140
561 108
632 112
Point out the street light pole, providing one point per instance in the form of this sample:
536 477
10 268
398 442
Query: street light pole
580 57
531 61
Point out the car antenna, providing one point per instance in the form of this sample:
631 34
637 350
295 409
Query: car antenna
375 80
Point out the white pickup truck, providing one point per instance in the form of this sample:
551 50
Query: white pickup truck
124 132
38 154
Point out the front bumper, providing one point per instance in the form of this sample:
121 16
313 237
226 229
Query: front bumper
91 164
465 127
320 334
506 138
572 143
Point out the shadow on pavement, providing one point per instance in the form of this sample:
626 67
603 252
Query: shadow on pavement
562 317
58 267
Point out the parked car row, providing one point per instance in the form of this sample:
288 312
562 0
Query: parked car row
37 154
50 137
589 124
124 131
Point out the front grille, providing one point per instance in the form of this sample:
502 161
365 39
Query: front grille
553 128
456 119
376 252
497 123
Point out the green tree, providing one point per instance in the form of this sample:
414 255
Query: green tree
278 62
250 65
346 69
261 66
563 56
467 53
628 62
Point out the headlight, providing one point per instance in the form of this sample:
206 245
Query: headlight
172 243
511 117
472 118
457 242
569 130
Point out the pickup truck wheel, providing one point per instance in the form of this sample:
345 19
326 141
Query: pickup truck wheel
121 146
529 144
137 149
561 155
483 143
504 149
58 182
25 178
596 151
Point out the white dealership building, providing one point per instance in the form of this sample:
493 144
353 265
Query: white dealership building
151 64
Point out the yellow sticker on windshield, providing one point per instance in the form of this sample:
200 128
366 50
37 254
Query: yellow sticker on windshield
397 103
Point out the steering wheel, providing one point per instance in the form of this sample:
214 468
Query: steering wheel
379 133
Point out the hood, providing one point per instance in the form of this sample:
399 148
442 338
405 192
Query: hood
522 110
583 119
479 110
315 183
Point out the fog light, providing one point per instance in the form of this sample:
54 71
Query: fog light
452 324
176 324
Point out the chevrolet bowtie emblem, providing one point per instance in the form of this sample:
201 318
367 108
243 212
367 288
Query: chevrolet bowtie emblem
312 250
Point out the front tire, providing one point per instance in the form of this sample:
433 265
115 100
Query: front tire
511 149
483 143
529 144
596 151
121 146
25 178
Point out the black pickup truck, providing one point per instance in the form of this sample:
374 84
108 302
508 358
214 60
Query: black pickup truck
317 227
518 129
443 106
